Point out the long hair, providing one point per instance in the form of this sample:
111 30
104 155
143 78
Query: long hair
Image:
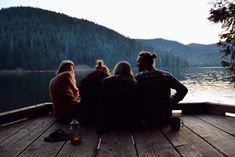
123 69
64 66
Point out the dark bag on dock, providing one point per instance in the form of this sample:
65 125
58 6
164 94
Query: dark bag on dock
176 123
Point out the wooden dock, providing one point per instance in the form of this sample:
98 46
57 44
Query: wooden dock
202 135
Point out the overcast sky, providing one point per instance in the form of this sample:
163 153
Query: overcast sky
181 20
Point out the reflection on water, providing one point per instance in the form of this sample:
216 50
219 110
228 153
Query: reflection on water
22 89
25 89
208 85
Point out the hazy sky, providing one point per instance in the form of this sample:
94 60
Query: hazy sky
181 20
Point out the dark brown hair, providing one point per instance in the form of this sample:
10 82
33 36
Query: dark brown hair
148 57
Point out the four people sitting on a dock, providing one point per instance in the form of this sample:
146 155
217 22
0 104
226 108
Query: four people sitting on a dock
120 99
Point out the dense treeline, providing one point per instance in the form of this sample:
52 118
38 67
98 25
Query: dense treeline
37 39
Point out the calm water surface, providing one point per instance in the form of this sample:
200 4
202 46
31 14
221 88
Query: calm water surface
24 89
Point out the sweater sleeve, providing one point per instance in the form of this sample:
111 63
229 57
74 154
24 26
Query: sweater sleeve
72 84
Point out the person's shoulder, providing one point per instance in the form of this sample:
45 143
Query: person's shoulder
133 82
100 73
163 72
64 76
96 74
142 73
51 83
110 78
61 77
109 81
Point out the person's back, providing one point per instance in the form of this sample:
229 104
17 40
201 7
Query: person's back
120 99
90 89
64 94
155 90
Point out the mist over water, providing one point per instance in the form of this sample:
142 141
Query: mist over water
29 88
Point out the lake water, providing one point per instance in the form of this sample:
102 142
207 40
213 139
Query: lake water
28 88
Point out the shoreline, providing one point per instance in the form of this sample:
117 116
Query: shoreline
20 70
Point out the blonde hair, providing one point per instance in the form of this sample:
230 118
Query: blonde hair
123 69
63 66
101 66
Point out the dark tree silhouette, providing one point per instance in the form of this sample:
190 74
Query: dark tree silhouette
223 12
36 39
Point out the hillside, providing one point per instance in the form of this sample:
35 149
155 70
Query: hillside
36 39
194 54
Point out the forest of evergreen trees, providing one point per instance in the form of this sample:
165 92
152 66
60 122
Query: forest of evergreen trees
36 39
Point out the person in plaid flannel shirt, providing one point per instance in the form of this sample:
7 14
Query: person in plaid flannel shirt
155 90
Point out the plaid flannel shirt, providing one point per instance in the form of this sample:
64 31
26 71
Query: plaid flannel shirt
155 90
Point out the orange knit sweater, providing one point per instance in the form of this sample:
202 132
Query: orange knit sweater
64 95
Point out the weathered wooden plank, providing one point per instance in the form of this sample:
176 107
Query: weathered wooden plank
23 138
26 112
218 108
151 142
219 139
223 122
117 144
192 108
9 130
86 148
45 149
189 144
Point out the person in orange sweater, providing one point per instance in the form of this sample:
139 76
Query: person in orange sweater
64 92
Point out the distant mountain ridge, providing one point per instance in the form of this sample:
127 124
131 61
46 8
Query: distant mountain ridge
37 39
195 54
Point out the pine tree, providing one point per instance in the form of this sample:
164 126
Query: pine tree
223 12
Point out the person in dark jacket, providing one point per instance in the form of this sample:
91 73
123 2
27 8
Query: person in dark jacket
120 97
155 90
91 92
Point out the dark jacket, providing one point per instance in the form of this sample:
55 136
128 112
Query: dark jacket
120 107
90 89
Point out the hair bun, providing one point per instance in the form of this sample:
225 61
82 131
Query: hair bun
154 55
99 63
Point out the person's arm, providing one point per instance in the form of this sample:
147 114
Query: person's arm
181 90
72 85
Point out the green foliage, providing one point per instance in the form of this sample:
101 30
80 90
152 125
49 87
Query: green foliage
223 11
37 39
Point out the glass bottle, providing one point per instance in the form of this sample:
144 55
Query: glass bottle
75 137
